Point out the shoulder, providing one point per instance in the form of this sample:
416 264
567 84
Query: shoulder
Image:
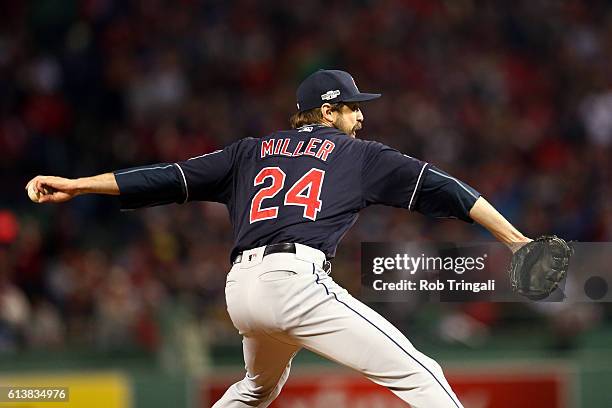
244 142
228 152
380 154
372 147
241 146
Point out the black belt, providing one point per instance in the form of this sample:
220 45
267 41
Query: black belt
288 248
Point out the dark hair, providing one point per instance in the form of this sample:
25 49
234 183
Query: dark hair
311 116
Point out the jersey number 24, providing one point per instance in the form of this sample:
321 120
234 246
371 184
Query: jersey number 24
305 193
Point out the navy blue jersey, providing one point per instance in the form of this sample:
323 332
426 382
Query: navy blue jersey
304 186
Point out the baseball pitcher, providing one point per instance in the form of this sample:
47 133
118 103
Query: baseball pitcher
291 196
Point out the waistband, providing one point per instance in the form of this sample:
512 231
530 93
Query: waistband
301 251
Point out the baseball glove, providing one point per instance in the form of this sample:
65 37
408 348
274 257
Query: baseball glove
539 266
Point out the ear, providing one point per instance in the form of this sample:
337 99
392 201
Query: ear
328 114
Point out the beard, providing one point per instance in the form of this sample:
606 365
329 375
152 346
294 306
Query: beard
357 127
349 130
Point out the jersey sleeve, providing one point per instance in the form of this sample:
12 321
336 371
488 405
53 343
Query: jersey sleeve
443 196
390 177
207 177
149 186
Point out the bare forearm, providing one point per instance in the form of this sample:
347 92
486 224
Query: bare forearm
100 184
53 189
486 215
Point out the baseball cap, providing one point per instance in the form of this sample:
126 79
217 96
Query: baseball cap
329 86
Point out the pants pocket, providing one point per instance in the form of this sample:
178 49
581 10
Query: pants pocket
277 275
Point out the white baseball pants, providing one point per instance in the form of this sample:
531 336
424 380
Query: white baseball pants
283 302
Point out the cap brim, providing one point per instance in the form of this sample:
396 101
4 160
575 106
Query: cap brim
362 97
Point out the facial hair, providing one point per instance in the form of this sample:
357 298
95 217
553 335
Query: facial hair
352 131
356 128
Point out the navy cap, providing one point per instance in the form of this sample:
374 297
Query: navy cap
329 86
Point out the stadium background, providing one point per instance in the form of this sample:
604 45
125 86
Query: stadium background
513 97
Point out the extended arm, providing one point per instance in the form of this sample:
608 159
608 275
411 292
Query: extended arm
136 187
486 215
52 189
443 196
206 177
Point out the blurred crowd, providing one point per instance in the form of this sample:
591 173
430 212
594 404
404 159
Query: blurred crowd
514 98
